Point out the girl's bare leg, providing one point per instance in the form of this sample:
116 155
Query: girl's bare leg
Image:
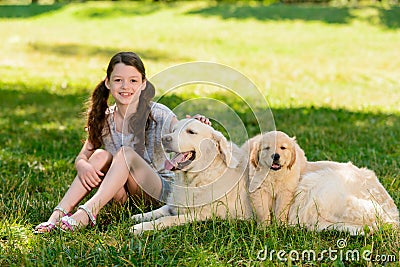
100 160
126 164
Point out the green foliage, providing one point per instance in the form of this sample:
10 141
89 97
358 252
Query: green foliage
330 75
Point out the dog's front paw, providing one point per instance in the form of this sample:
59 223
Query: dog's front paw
139 228
136 229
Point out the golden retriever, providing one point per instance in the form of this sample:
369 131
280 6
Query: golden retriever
212 176
341 196
318 195
275 164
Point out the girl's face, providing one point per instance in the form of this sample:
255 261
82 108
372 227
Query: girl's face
125 84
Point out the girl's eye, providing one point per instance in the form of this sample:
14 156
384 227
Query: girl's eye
117 80
189 131
133 81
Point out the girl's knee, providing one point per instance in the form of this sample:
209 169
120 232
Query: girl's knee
101 159
127 153
101 154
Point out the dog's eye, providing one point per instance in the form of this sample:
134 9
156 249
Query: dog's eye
283 148
266 148
189 131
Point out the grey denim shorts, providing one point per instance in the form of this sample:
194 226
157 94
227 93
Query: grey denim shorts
166 180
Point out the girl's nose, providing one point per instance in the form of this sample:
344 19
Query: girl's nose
124 84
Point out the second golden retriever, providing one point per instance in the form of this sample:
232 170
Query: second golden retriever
319 195
274 172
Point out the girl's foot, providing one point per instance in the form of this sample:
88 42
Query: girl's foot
55 217
81 218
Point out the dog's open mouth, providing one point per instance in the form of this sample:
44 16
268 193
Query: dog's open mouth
276 166
180 160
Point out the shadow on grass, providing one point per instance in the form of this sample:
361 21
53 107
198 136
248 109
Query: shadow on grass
73 49
27 11
389 18
277 12
121 10
126 9
40 123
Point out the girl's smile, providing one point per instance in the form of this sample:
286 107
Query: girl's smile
125 94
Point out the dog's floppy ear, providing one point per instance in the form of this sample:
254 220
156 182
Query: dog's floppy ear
226 150
255 148
301 158
256 174
293 152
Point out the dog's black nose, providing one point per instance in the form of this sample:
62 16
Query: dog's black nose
167 139
275 156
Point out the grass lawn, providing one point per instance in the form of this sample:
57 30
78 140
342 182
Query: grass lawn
330 75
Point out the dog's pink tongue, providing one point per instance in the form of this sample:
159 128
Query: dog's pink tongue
173 163
275 166
168 165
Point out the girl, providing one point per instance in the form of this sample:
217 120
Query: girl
130 132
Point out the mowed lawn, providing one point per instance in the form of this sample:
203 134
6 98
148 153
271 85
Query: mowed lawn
329 75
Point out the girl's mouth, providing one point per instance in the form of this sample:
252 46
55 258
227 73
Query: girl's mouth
125 94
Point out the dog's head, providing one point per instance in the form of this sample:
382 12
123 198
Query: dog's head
273 151
196 145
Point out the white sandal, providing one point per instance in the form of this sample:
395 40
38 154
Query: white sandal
72 224
49 226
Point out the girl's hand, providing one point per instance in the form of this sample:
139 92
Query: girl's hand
201 118
88 175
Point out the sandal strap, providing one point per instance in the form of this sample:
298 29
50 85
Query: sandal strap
92 218
59 208
69 222
44 225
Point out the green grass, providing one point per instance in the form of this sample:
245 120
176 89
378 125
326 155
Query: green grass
330 75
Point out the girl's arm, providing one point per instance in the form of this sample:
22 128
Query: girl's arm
88 175
85 153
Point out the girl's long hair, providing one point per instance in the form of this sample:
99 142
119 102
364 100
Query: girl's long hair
97 125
